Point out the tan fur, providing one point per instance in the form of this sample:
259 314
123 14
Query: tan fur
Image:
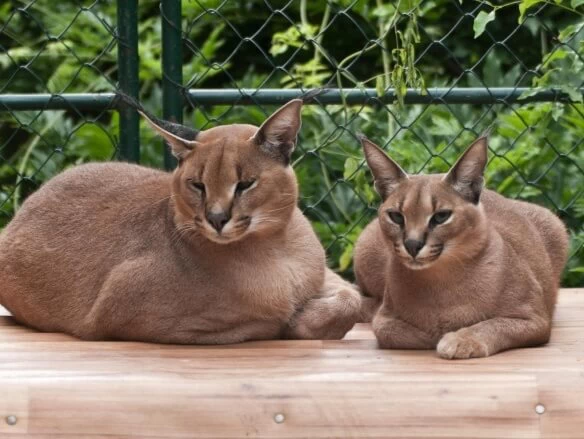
485 281
119 251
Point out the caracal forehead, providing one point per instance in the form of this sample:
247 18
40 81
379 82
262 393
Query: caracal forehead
236 132
422 193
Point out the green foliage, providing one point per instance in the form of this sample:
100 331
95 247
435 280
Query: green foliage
481 22
537 149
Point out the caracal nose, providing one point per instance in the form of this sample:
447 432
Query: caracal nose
413 246
218 220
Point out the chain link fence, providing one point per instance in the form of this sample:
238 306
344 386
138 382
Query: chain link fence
420 78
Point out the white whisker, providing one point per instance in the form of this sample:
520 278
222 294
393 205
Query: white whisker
280 208
182 231
163 199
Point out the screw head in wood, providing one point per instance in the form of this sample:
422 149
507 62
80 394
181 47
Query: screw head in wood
540 409
11 420
279 418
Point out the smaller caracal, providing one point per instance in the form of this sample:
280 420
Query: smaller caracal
216 252
454 267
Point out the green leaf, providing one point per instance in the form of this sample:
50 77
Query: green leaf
351 166
578 121
91 142
408 6
346 258
576 3
384 11
524 6
530 92
481 21
556 55
569 31
282 41
557 111
574 94
444 125
546 79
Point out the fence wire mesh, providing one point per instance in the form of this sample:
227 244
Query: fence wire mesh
238 57
52 48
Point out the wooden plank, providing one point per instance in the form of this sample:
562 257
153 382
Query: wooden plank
14 402
562 395
402 406
59 386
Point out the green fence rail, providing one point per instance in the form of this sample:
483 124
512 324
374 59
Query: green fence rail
104 101
422 78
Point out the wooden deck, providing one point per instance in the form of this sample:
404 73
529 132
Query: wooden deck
52 385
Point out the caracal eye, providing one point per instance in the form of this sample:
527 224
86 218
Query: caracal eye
396 217
242 186
197 186
440 217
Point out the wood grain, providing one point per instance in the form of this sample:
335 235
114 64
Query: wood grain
58 386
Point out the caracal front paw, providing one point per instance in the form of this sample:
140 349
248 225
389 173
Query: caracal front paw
461 344
393 333
327 318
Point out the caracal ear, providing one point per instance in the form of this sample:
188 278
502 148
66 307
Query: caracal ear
277 135
386 173
467 174
180 138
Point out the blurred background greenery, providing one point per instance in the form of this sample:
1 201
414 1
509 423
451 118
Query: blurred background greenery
537 148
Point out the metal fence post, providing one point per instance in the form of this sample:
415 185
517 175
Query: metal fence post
172 98
128 78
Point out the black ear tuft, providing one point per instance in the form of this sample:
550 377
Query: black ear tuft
310 95
178 130
181 139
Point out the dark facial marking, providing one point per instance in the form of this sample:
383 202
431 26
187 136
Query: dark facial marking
434 202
